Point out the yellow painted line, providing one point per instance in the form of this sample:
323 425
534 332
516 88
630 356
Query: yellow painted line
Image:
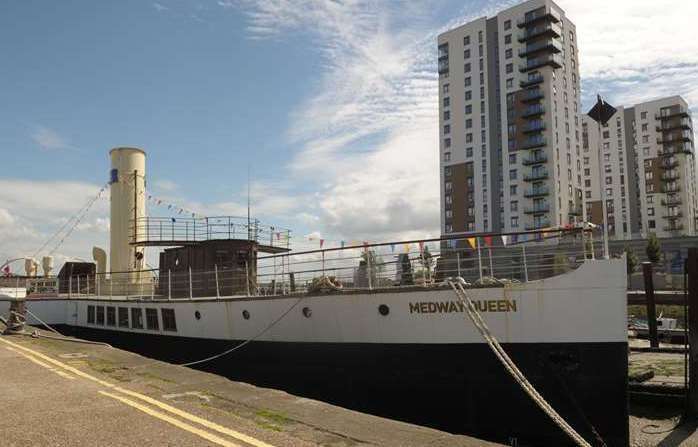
162 416
40 363
208 424
183 414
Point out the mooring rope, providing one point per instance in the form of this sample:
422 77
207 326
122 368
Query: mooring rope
511 367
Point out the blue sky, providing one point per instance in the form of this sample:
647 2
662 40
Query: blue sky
332 105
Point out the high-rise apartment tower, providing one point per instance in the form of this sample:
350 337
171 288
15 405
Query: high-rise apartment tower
509 121
646 173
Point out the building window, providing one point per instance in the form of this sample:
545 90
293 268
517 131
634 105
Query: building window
123 317
644 127
467 81
507 39
445 88
507 24
468 123
466 67
136 318
447 129
512 174
466 40
514 222
169 322
512 190
651 224
512 159
479 36
447 101
508 53
468 152
111 316
447 142
466 54
643 115
151 319
510 68
447 115
468 138
510 83
514 206
90 315
447 156
447 171
650 211
100 315
468 95
468 109
587 194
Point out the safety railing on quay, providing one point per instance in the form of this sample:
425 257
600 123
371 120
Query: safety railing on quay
480 260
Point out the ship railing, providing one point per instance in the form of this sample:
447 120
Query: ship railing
480 260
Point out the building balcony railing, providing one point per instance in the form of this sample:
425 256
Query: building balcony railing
542 223
539 191
533 126
532 80
533 142
667 151
672 201
534 176
530 95
576 211
546 46
669 188
548 29
553 60
674 228
667 125
669 139
538 209
680 112
536 109
670 176
676 215
538 16
535 160
669 163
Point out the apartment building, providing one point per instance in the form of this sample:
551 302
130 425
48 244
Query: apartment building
509 117
646 173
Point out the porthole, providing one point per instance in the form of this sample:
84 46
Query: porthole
307 312
197 315
245 315
383 309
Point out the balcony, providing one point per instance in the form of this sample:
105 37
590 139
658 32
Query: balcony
532 80
668 151
548 46
671 188
670 176
542 223
533 126
548 30
553 60
541 208
676 215
534 110
671 201
539 191
667 126
676 227
538 15
533 142
669 139
536 175
679 112
535 160
669 163
531 95
575 211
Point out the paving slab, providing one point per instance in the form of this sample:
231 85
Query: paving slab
59 393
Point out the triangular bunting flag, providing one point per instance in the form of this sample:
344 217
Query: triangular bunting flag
472 241
488 240
505 240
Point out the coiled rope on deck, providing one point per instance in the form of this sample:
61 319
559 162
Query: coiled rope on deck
510 366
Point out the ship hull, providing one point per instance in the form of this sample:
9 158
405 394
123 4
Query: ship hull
459 388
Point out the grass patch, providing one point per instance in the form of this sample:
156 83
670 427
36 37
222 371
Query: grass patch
271 419
149 375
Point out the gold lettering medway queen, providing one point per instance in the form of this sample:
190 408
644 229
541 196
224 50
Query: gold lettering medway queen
445 307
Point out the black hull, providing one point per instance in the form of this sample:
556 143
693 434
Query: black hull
456 388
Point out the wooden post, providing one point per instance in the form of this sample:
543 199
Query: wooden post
649 300
692 272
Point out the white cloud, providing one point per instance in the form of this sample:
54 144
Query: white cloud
165 185
49 139
159 7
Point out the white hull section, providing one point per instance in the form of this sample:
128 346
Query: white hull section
584 305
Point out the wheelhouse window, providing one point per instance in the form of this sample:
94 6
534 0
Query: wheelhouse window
136 318
123 317
169 321
100 315
151 319
111 316
90 315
